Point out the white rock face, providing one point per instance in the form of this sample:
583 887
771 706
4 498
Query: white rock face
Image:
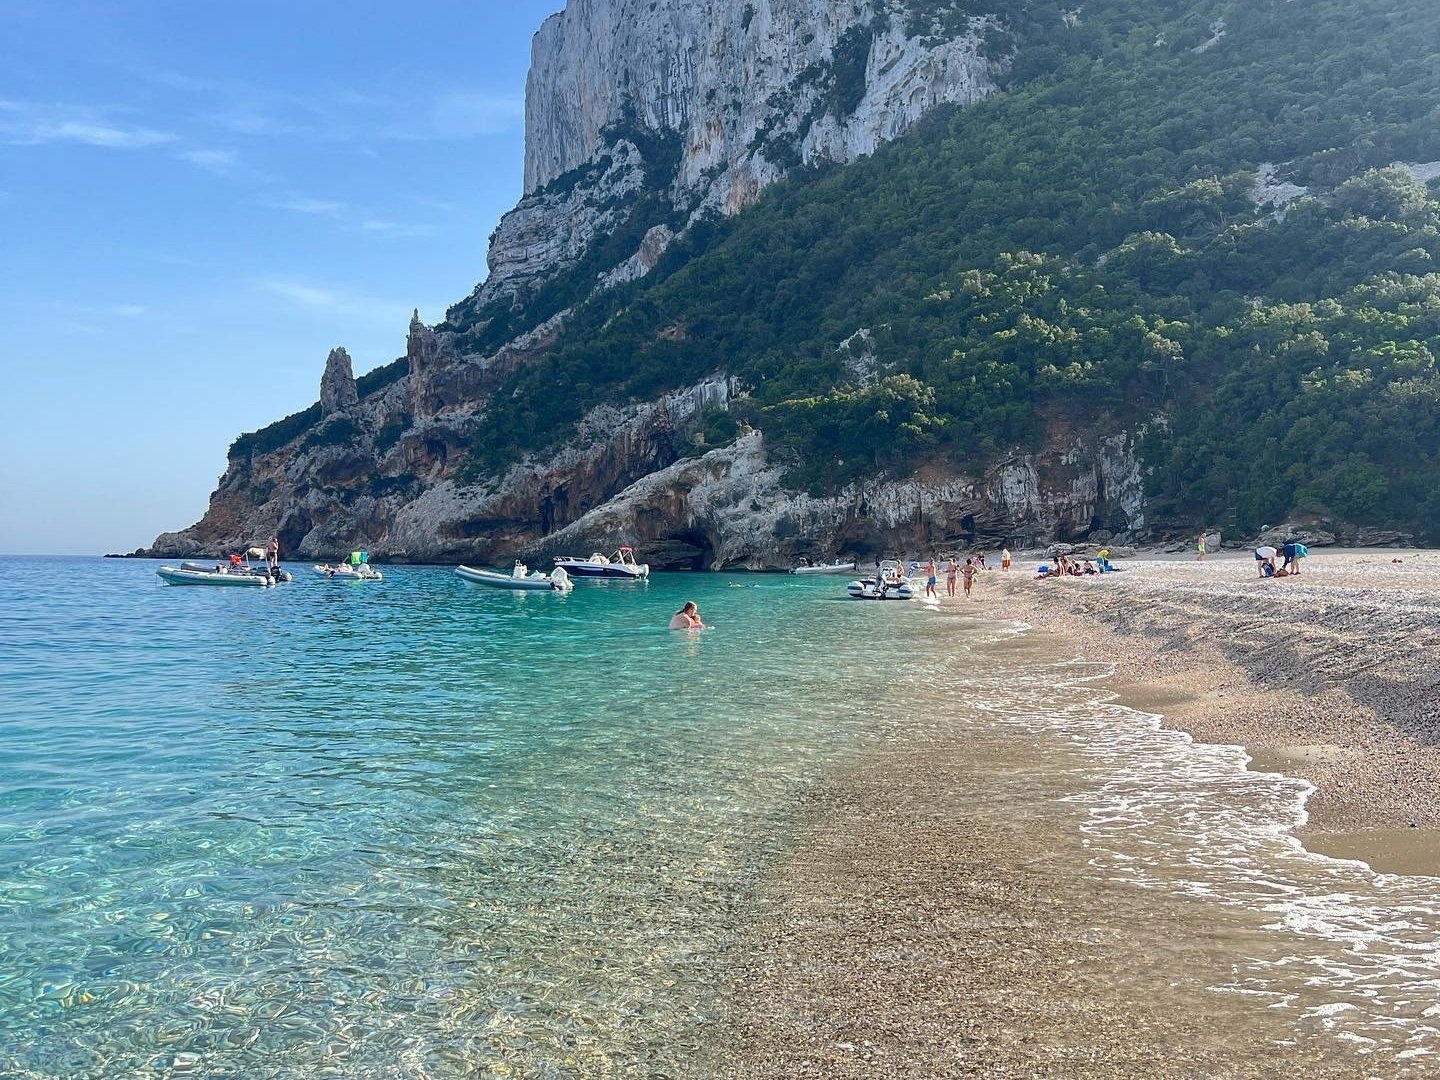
723 76
732 507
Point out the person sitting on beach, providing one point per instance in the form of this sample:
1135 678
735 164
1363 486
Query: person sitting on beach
687 618
1089 568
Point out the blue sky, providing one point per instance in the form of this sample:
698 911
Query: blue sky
198 201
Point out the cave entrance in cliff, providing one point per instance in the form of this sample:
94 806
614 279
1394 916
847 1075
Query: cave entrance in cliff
292 530
688 549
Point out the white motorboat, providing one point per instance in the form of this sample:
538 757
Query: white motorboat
621 565
824 568
191 575
518 578
888 583
346 572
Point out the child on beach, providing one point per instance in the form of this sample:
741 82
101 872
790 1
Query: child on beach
1200 547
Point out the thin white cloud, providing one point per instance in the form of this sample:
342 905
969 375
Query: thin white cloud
342 113
303 204
216 161
348 217
310 296
329 300
465 114
396 229
29 123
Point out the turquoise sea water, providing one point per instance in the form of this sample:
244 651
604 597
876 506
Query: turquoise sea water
408 828
420 829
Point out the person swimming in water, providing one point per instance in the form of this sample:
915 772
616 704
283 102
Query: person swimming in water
687 618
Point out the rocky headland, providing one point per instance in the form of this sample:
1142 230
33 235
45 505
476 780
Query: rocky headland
679 110
800 278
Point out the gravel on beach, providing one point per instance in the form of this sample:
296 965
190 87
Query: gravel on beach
1334 673
907 934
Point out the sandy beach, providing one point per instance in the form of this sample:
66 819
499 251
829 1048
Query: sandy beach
1330 676
915 931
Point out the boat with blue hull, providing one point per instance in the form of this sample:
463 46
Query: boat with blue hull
621 565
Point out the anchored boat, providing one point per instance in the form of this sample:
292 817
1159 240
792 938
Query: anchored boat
888 583
190 574
519 578
621 565
824 568
343 572
237 571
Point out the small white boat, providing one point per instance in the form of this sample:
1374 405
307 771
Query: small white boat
181 575
346 572
825 568
888 583
519 578
621 565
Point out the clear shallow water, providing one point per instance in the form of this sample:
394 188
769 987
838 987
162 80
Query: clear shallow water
421 829
409 828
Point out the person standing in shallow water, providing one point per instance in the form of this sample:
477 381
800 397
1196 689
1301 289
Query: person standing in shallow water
687 618
968 572
952 571
930 578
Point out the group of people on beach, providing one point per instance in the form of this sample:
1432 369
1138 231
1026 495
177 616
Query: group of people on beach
955 573
1290 553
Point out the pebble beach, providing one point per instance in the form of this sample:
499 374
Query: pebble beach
1330 675
945 910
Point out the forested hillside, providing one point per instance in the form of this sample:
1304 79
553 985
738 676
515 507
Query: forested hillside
1091 247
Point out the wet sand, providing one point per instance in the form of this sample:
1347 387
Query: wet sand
930 921
938 916
1331 676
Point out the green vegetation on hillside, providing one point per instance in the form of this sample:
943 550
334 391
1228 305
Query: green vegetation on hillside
1083 246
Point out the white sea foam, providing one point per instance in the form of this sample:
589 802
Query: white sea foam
1348 951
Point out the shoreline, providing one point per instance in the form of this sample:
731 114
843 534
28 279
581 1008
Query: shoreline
937 912
1326 677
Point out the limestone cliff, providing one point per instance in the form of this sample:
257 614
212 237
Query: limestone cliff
642 116
705 102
